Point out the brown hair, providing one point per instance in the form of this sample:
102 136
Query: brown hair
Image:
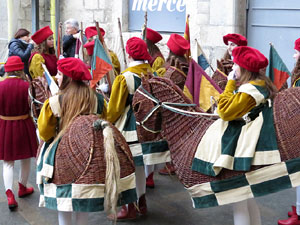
181 58
247 76
21 33
77 99
43 48
18 73
152 48
227 55
296 71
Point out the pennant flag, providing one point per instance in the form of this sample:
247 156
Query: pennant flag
101 63
202 61
277 70
199 87
187 33
51 83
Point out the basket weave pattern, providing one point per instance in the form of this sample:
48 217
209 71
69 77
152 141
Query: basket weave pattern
287 117
177 76
73 153
184 133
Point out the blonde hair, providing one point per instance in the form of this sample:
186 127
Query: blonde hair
77 99
247 76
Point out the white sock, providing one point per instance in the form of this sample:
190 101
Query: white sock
140 181
254 212
64 218
241 214
149 169
298 200
8 174
24 171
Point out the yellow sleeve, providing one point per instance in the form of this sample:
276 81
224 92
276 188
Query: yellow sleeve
158 63
118 97
47 122
232 106
35 67
115 62
161 71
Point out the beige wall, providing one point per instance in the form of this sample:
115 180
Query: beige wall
209 21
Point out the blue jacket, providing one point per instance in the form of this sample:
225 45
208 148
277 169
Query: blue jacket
22 49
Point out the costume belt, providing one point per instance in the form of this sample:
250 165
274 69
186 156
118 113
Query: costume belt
22 117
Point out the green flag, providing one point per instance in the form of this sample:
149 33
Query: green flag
277 70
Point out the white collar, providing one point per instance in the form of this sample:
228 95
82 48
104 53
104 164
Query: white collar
136 63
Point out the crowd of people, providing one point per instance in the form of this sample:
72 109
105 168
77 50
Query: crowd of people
244 67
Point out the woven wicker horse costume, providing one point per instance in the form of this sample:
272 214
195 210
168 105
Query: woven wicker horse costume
73 173
184 126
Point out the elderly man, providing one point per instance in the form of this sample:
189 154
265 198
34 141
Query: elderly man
69 40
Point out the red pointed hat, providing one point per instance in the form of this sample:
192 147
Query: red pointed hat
178 45
153 35
74 68
249 58
297 44
238 39
13 63
92 31
137 49
90 47
41 35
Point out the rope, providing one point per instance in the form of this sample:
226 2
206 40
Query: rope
169 106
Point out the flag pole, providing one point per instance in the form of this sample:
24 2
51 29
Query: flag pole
122 42
144 29
204 55
81 35
106 50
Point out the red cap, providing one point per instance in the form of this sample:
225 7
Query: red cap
297 44
13 63
90 47
178 45
74 68
153 35
41 35
238 39
92 31
249 58
137 49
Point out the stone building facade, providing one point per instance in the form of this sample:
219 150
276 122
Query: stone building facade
209 21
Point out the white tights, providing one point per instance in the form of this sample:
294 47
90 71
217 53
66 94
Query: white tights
8 173
149 169
65 218
246 213
140 181
298 200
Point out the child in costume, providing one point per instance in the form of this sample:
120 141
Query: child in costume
18 140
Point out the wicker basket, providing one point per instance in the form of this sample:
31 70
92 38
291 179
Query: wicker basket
184 133
220 79
72 157
176 75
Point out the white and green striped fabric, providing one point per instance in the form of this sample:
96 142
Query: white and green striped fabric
75 197
83 197
267 180
236 145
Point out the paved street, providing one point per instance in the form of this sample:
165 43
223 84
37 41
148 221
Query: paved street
169 204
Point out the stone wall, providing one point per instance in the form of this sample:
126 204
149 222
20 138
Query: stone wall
209 21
